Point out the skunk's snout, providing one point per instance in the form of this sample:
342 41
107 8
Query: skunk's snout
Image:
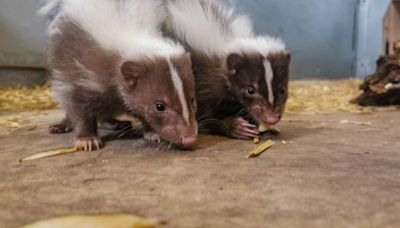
188 141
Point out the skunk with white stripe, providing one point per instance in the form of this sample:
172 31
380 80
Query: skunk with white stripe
108 58
241 78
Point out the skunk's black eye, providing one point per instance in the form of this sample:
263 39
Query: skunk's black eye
282 91
160 107
193 100
251 90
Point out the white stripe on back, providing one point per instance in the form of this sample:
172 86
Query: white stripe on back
179 88
269 76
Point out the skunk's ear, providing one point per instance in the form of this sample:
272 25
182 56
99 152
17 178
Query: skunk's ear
131 72
288 57
234 63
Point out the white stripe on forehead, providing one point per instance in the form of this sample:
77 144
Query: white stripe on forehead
269 76
178 84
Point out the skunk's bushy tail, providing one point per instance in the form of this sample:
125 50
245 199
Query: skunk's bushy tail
50 9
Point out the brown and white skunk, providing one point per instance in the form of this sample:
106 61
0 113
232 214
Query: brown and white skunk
108 58
239 76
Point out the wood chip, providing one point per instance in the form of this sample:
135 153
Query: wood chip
50 153
261 148
96 221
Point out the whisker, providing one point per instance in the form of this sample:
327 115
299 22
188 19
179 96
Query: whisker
128 127
120 135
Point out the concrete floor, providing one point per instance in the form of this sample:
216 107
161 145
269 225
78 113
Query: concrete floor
335 170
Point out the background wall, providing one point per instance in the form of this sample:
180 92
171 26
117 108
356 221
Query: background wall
329 39
326 37
22 39
369 34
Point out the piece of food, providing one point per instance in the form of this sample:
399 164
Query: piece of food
96 221
50 153
261 148
274 131
263 128
256 140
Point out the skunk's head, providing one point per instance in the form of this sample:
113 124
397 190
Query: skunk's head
260 83
161 92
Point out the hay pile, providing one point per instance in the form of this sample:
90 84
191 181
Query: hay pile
26 99
304 96
323 96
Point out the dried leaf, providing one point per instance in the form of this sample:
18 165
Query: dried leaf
261 148
50 153
96 221
378 88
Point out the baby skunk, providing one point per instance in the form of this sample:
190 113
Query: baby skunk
108 58
240 78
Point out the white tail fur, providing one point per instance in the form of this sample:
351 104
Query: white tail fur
132 27
49 7
210 27
51 10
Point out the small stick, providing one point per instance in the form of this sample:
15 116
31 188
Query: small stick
50 153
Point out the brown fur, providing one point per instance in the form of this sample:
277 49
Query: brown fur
94 84
222 88
154 85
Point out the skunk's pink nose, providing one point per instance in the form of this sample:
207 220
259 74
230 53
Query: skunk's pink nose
188 141
271 120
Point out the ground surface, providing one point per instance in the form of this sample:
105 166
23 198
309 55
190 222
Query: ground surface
335 170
